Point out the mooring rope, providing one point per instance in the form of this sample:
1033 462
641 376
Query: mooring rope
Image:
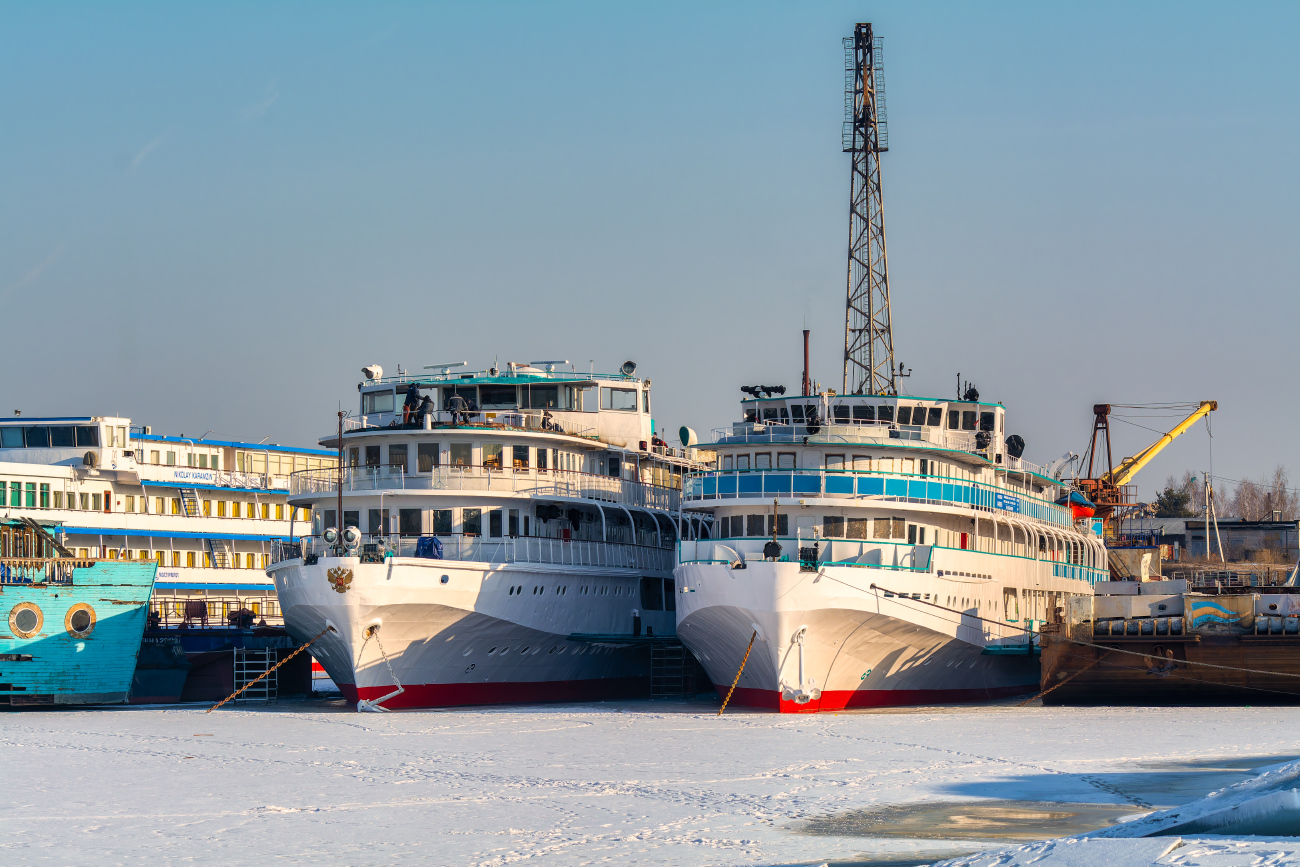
236 693
738 673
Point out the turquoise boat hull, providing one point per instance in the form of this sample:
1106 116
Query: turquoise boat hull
70 630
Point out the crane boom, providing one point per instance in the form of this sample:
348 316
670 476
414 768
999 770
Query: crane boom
1129 467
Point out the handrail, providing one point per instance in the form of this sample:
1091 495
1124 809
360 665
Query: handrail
42 570
511 549
504 420
567 484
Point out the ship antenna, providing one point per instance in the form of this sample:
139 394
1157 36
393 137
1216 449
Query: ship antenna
868 334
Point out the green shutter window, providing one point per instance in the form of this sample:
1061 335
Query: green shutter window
31 495
45 496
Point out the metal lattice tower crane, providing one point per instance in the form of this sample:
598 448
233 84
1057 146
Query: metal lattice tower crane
868 336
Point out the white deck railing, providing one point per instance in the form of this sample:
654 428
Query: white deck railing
521 549
533 482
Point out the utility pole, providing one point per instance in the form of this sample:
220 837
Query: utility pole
868 333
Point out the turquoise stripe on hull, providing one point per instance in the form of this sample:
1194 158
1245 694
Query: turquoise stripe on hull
65 668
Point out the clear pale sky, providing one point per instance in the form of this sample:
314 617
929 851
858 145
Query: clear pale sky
211 217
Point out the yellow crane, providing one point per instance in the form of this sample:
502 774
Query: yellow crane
1105 491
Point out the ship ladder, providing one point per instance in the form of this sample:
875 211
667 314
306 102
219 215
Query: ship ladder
374 706
271 671
255 674
190 502
219 551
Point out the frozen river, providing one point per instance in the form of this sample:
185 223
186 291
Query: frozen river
619 783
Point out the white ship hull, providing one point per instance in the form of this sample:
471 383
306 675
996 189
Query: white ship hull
829 639
454 633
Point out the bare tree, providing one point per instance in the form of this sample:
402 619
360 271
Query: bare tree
1258 500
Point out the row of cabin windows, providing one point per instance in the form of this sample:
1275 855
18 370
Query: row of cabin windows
492 456
37 495
175 559
245 462
833 527
411 522
500 397
843 413
54 436
842 462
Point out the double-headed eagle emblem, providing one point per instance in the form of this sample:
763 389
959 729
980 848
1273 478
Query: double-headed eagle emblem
340 578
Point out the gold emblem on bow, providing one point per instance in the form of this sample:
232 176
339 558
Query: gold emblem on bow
340 578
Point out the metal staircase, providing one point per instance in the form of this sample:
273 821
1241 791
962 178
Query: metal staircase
250 665
190 502
674 672
219 551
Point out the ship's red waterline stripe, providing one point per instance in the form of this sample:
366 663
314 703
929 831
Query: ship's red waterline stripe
457 694
842 699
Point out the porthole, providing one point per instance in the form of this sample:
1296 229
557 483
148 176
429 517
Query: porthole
471 650
26 619
492 651
80 620
536 650
512 592
446 578
523 651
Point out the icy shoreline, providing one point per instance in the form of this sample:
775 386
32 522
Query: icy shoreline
630 783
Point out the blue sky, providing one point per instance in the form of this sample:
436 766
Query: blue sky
212 216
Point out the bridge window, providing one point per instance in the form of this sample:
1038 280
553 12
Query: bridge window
885 412
841 412
500 396
904 415
935 416
755 525
545 397
782 525
954 419
967 419
864 412
377 401
621 399
986 421
796 412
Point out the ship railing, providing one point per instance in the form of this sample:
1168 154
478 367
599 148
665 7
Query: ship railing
172 612
701 487
503 420
534 482
495 552
40 570
1214 580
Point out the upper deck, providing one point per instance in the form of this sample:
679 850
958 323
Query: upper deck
610 409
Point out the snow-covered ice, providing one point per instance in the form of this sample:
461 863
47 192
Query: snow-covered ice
616 783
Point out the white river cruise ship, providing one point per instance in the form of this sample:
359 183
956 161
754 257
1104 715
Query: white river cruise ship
207 511
915 555
506 536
